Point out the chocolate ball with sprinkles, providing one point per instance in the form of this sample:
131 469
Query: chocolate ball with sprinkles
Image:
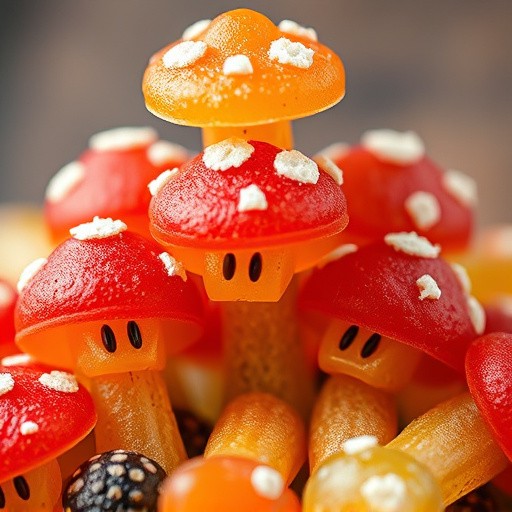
114 481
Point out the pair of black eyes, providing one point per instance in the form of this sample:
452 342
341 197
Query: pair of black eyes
22 488
109 338
229 266
369 347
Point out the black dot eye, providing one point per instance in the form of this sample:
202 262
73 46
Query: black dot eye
134 334
229 266
2 498
255 267
348 337
22 488
109 338
371 345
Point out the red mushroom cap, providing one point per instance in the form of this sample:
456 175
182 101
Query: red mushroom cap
489 375
110 179
201 206
8 296
376 288
42 415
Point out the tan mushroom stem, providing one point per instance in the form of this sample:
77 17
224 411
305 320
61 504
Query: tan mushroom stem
263 351
454 443
347 408
279 134
134 413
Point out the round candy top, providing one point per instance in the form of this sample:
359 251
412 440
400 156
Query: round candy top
241 69
43 413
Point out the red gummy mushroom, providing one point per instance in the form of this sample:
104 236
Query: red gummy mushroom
43 413
110 180
8 296
108 303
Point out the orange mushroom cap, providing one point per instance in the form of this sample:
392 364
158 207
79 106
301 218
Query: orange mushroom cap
242 70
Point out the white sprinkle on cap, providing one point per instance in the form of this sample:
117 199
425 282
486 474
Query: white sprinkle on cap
424 209
195 29
335 150
172 266
267 482
30 271
59 381
184 54
292 27
296 166
392 146
338 253
461 186
6 383
428 287
163 152
228 153
359 444
413 244
286 52
386 493
159 183
252 198
237 65
15 360
64 181
476 314
28 427
123 138
330 168
98 228
462 276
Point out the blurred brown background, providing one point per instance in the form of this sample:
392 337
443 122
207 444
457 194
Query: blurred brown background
441 67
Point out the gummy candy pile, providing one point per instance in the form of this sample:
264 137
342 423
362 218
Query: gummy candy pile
251 328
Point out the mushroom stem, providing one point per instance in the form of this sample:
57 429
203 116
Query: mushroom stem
454 443
263 351
346 408
135 414
279 134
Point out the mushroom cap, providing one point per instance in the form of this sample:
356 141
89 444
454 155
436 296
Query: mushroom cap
385 195
8 296
375 287
489 375
200 207
110 179
201 92
120 276
44 414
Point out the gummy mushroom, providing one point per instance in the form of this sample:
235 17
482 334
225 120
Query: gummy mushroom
43 413
240 75
109 303
110 180
8 297
391 185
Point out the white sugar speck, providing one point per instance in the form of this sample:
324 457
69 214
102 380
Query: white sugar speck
237 65
335 151
172 266
159 183
461 186
195 29
424 209
252 198
330 168
413 244
338 253
267 482
286 52
29 272
59 381
64 181
397 147
296 166
164 152
292 27
17 359
123 138
359 444
462 276
386 493
98 228
428 287
228 153
184 54
28 427
476 314
6 383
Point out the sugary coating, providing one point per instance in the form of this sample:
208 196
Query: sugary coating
292 76
42 415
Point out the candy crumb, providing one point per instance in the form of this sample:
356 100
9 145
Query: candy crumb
386 493
98 228
237 65
267 482
28 427
413 244
286 52
296 166
172 266
6 383
159 183
330 168
397 147
59 381
359 444
195 29
123 138
428 287
424 209
228 153
462 276
338 253
29 272
461 186
476 314
335 151
184 54
15 360
64 181
292 27
252 198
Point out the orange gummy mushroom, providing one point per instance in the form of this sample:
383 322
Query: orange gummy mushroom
109 303
240 75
